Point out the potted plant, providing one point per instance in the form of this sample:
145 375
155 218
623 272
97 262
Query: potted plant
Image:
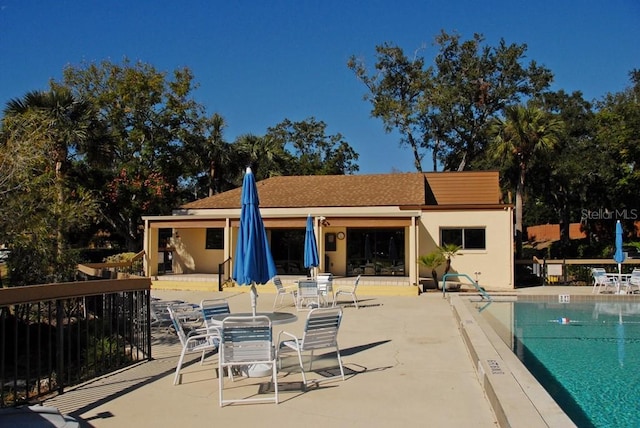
449 251
442 254
432 261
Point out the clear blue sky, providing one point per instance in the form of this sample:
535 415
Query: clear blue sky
259 62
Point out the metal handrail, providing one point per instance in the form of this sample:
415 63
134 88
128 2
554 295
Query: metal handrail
484 294
221 271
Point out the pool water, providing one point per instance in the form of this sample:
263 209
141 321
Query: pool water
586 355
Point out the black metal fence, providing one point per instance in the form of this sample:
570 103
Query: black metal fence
58 335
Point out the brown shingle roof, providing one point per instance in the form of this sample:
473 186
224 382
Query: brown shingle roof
408 189
465 187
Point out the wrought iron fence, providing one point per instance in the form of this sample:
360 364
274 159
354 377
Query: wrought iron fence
58 335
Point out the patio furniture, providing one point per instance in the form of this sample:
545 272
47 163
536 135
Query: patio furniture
198 340
325 287
211 308
247 341
320 332
348 290
308 294
159 313
634 280
282 291
601 279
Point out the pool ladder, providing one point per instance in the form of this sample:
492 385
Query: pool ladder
483 293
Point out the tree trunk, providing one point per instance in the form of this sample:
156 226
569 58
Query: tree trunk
212 174
60 192
417 159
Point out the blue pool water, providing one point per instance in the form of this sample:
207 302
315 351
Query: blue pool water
586 355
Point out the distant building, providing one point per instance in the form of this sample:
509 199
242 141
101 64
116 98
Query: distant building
374 225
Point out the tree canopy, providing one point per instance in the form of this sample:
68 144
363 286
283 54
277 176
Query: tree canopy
446 108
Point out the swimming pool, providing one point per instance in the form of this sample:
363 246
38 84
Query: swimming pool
585 354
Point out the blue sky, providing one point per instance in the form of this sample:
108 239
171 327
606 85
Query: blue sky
259 62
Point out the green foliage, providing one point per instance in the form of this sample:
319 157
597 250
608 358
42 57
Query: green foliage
442 254
38 262
432 260
136 265
446 108
449 251
149 117
310 151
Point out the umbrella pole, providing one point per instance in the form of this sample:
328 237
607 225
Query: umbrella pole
254 298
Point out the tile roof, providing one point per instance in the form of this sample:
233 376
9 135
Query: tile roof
405 189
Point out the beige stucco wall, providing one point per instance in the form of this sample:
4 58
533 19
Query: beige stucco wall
337 259
190 255
494 263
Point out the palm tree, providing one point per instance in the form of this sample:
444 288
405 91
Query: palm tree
64 123
525 131
262 154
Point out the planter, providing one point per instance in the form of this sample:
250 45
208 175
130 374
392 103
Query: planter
428 284
451 285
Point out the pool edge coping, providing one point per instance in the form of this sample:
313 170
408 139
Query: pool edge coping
516 397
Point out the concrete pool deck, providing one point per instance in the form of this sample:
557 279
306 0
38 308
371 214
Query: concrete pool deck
412 361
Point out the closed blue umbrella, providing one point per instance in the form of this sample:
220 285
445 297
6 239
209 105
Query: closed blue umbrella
253 262
618 256
311 259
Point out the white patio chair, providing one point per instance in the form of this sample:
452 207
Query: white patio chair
634 280
282 291
308 294
247 341
348 290
212 307
320 332
601 279
325 287
198 340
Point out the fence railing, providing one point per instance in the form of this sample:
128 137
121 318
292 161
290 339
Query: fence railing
57 335
574 271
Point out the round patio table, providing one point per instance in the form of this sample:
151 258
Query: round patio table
277 318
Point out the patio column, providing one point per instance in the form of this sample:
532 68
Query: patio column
412 260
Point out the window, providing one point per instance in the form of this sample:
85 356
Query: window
215 239
466 238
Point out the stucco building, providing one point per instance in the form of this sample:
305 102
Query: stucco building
370 225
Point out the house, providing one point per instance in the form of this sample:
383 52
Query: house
371 225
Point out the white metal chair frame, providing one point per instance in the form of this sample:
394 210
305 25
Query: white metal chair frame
247 341
634 280
600 279
348 290
308 292
212 307
282 291
320 332
325 287
198 340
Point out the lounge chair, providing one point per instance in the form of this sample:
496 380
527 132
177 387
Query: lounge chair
320 332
